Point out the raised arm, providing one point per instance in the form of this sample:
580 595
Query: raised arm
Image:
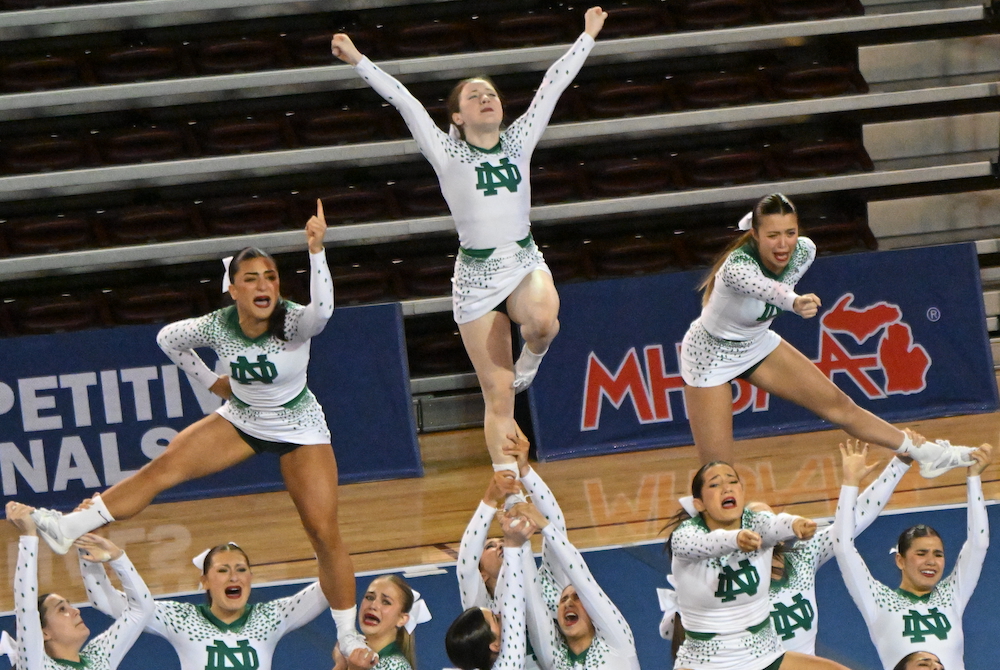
542 630
101 593
472 589
298 609
30 642
431 139
511 594
969 565
309 322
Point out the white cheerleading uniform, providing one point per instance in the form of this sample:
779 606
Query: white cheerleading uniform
509 605
734 332
270 398
613 645
794 613
900 622
391 658
487 190
104 652
201 640
723 604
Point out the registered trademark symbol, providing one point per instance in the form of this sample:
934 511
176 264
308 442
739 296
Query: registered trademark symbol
933 314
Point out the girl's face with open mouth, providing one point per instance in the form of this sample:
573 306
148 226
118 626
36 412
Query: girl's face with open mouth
228 582
722 499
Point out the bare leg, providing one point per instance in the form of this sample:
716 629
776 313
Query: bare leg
487 341
534 305
788 374
710 414
203 448
310 474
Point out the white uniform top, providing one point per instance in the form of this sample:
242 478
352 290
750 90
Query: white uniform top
613 645
201 640
105 651
900 622
718 586
487 190
747 296
509 605
794 613
391 658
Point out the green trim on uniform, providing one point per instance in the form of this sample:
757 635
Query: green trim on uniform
776 664
580 658
752 251
695 635
486 253
913 597
756 628
78 665
231 317
233 627
787 574
291 404
493 150
389 650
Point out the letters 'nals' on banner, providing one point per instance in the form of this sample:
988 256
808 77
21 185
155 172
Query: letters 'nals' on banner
81 411
893 333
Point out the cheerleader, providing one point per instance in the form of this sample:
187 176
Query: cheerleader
264 341
494 638
227 626
588 631
718 558
500 275
750 284
51 634
920 660
925 612
390 611
794 611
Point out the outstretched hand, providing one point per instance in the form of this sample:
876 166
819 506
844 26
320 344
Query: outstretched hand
594 21
854 455
20 516
344 49
97 549
804 528
807 306
316 229
747 541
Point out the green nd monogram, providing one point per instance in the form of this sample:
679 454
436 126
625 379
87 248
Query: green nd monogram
917 627
506 175
770 311
790 618
246 372
734 582
240 657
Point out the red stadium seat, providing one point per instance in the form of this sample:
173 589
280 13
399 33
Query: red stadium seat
625 99
619 177
530 29
556 183
362 283
804 10
156 304
47 234
143 145
56 314
40 73
243 215
349 204
242 54
437 353
817 81
428 276
421 197
45 153
705 14
431 39
339 126
634 21
136 63
718 168
632 255
148 223
568 260
822 157
718 89
248 135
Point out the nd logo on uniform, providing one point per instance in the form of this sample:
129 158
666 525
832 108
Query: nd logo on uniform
240 657
917 626
490 178
734 582
245 372
790 618
770 311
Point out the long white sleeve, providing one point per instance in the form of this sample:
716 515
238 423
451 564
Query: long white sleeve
511 603
179 339
115 642
303 324
551 579
542 630
471 587
969 565
864 588
298 609
30 644
101 593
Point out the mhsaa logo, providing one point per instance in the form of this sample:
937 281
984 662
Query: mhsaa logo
646 383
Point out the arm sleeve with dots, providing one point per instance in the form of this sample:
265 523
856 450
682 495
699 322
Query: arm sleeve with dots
550 578
471 587
178 341
969 565
542 630
691 543
859 581
529 126
101 593
302 324
30 644
299 609
607 618
774 528
431 140
749 279
870 504
511 603
115 642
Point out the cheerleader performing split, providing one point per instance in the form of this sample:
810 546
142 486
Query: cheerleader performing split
718 561
264 341
925 613
227 625
500 275
50 633
750 284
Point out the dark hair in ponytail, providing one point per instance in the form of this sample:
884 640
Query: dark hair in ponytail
276 322
468 641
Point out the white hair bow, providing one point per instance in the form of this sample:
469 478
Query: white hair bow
746 223
687 503
668 605
8 648
199 560
225 274
419 613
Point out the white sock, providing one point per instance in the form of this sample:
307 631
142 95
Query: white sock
907 445
500 467
76 524
344 620
529 361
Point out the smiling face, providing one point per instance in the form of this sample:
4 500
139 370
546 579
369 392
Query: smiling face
721 502
922 565
255 288
381 613
574 622
923 660
63 624
479 107
776 236
228 582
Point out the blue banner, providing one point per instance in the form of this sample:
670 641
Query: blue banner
81 411
902 332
